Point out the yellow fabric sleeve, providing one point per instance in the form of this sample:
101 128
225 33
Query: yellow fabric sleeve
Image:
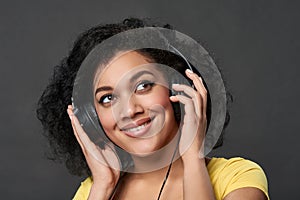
226 175
230 174
84 190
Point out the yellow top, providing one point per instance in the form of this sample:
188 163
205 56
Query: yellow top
226 175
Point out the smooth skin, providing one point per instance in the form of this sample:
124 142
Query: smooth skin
125 95
188 179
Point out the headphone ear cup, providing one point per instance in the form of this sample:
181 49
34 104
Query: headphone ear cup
175 79
89 121
178 78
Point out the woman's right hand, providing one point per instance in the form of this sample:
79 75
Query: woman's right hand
99 161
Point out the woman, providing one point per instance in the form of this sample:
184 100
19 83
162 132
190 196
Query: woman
134 107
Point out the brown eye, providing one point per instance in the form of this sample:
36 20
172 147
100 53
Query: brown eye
107 99
144 86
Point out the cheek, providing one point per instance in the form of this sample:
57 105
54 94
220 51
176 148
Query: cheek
158 98
108 123
106 118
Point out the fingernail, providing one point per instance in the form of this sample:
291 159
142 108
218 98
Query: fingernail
70 114
189 71
174 85
173 98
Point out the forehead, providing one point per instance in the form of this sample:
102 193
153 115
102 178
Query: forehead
125 64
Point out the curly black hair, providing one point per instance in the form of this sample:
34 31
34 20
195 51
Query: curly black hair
52 105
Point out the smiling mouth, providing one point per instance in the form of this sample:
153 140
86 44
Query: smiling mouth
137 128
138 131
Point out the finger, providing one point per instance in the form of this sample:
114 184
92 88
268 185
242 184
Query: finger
71 115
188 107
111 157
106 156
81 133
82 138
198 83
191 92
191 123
89 149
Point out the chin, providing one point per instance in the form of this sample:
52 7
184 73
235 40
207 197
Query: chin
142 149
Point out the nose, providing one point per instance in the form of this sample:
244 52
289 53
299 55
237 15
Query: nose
130 108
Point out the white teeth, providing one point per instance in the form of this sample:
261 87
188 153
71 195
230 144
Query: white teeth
136 128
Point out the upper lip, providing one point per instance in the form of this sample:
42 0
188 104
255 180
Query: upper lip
136 123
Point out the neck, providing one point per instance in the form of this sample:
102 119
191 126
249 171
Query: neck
158 160
176 171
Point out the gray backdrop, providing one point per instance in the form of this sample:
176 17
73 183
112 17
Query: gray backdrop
255 43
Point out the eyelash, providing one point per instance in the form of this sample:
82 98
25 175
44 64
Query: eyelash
111 96
147 86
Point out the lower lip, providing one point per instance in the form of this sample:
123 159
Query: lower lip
140 133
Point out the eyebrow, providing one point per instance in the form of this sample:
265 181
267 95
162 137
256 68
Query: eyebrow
137 75
133 78
104 88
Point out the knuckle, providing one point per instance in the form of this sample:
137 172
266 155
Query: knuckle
189 102
197 95
194 75
203 118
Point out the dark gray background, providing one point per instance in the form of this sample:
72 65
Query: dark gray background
255 43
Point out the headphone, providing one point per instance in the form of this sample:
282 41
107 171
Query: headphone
87 115
155 38
180 79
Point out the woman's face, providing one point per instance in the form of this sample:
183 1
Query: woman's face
132 102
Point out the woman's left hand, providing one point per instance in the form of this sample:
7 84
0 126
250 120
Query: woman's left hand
196 180
194 124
